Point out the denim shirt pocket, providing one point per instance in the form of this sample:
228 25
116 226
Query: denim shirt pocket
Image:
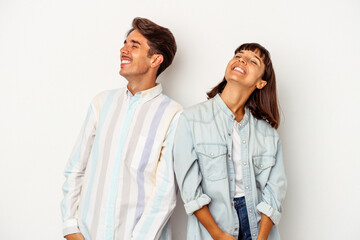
212 158
262 169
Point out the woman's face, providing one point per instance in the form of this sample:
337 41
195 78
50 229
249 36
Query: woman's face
246 68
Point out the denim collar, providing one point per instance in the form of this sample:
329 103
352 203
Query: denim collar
220 103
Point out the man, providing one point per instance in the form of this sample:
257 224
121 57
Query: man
120 181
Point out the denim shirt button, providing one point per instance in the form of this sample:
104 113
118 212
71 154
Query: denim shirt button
247 187
229 155
244 142
211 154
250 210
236 229
231 179
244 163
229 134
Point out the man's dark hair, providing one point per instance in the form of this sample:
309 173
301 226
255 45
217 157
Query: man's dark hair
160 40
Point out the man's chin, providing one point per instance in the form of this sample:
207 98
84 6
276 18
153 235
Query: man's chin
122 73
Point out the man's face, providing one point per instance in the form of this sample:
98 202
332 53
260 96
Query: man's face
134 56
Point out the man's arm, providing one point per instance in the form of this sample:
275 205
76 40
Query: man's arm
74 173
163 199
75 236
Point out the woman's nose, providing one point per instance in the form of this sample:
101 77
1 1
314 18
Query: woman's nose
242 61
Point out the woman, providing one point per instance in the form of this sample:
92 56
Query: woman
228 157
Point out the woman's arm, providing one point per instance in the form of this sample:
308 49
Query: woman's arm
204 216
265 227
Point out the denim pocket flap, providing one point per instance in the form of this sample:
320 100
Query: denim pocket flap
211 151
263 162
212 158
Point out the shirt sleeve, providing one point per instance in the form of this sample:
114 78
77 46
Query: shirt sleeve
163 199
187 169
74 173
275 189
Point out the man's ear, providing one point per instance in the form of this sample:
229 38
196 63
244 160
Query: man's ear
156 60
261 84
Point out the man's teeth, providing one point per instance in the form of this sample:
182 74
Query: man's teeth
125 61
239 69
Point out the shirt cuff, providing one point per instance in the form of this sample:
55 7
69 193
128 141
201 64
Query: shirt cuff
196 204
70 226
269 211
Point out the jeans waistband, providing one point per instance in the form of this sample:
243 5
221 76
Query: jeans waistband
239 201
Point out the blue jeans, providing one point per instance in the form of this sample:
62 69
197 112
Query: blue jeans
244 228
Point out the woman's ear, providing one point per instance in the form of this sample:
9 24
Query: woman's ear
261 84
156 60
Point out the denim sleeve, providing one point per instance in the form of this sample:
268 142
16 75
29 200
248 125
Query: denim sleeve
187 171
275 190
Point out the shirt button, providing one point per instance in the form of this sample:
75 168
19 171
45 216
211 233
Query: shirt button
250 210
244 163
236 229
240 124
231 179
211 154
261 165
254 234
244 142
229 155
229 134
247 187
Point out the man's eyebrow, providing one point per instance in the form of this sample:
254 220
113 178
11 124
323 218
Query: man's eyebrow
133 41
136 42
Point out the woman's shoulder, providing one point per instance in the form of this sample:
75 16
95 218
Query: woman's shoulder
263 127
198 111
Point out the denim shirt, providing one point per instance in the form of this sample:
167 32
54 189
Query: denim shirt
205 171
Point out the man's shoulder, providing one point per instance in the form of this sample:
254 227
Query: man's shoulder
172 103
104 96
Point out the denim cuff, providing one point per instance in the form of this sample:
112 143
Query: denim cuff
196 204
70 226
269 211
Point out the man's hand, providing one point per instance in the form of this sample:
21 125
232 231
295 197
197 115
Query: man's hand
75 236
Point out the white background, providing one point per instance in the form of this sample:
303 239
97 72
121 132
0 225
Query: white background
56 55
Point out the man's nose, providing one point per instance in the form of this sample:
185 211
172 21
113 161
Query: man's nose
124 50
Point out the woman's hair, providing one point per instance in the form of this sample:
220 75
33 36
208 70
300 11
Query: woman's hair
160 40
262 103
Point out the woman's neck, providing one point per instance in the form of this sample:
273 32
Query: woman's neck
235 99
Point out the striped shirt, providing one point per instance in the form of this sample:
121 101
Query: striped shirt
119 179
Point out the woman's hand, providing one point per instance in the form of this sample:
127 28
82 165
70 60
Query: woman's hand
225 236
75 236
204 216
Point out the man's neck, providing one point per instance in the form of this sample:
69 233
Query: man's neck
139 86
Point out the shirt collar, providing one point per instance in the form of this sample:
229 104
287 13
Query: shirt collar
147 94
228 112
